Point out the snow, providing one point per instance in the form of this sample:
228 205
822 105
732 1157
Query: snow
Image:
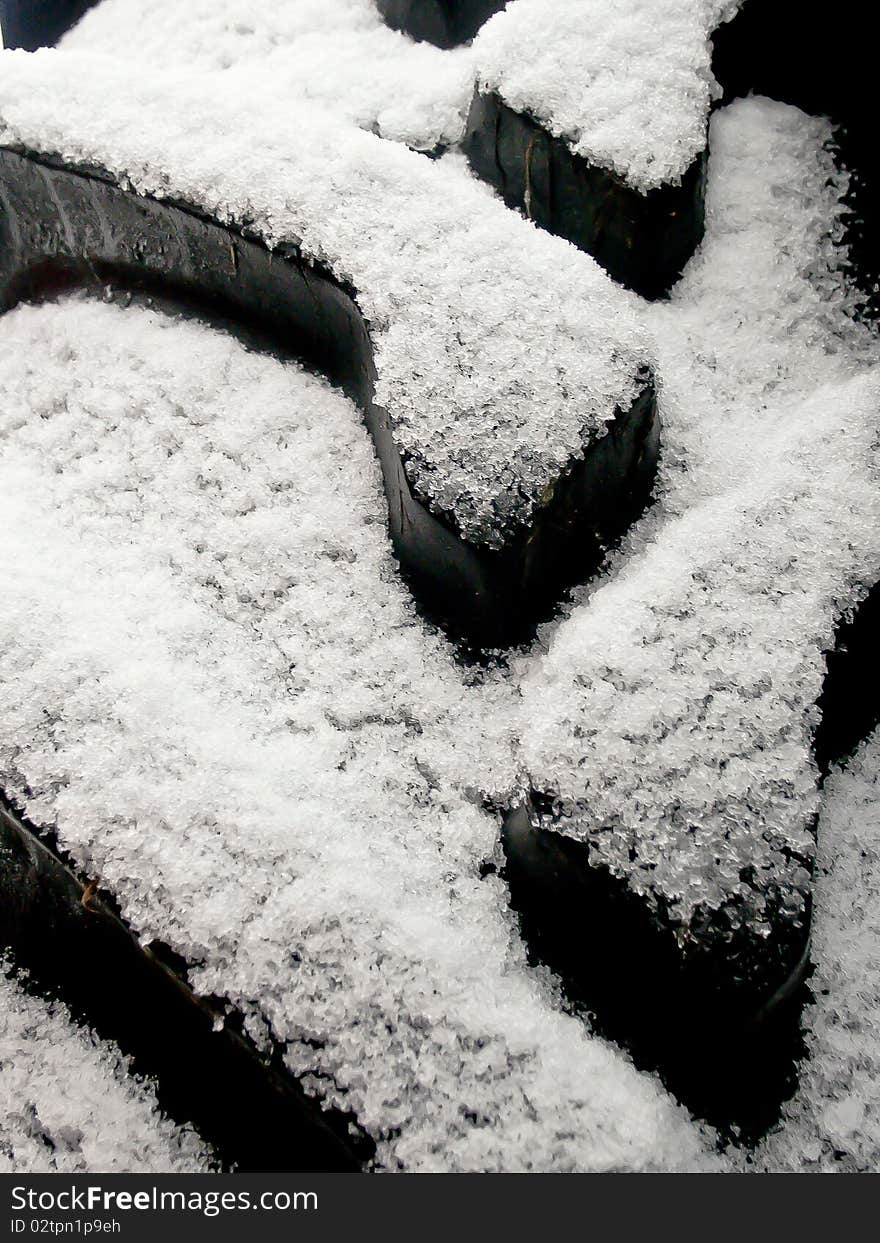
672 716
628 85
217 690
450 282
337 53
833 1122
68 1103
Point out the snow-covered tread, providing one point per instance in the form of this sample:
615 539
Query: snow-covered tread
592 119
506 477
209 1073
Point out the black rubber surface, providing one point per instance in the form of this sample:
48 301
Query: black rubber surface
720 1023
30 24
642 240
850 700
443 22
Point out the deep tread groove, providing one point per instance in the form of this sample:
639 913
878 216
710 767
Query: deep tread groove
29 24
822 63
